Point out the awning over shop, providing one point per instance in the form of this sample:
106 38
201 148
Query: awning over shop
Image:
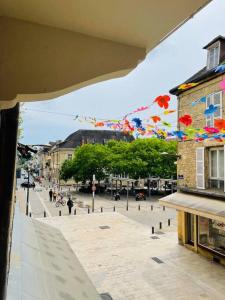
198 205
49 48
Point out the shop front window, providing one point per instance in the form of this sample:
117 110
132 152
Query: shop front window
211 235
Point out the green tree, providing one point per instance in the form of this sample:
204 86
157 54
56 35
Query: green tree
66 171
140 158
90 159
143 157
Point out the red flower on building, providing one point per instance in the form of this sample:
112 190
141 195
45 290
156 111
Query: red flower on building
186 120
219 123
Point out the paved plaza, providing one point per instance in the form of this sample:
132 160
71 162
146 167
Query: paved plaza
121 255
118 257
149 213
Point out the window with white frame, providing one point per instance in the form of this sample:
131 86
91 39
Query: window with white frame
70 156
216 170
216 100
213 56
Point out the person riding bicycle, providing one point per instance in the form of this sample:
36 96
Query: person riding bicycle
60 201
140 196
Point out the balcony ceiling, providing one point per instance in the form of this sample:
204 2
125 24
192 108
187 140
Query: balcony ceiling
141 23
86 41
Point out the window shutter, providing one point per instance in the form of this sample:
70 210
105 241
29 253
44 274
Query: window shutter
200 168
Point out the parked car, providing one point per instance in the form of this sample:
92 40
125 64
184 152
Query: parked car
25 184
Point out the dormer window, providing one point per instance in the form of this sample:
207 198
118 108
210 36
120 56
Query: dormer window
213 56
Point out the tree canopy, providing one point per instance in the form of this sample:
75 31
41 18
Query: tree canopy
140 158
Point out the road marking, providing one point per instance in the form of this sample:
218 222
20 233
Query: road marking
43 204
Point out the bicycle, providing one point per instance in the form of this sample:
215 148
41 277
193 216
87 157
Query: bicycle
60 202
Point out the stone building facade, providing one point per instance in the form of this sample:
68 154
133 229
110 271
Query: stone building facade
200 200
187 165
57 157
44 161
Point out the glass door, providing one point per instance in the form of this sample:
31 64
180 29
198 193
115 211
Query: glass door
190 229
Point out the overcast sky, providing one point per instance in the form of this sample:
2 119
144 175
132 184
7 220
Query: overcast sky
172 62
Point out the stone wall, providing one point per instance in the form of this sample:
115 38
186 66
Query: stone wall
186 166
58 156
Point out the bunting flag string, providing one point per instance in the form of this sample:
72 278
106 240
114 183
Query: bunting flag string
157 126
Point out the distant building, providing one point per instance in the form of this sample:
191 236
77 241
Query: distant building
61 151
44 161
200 201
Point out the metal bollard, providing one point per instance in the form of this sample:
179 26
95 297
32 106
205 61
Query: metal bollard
151 207
139 207
44 214
127 208
114 208
101 209
168 222
60 213
164 207
160 225
153 230
75 211
88 210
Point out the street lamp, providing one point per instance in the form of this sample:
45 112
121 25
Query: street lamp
28 190
111 182
93 193
127 192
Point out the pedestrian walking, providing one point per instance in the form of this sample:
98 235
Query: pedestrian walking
50 194
117 196
54 196
70 205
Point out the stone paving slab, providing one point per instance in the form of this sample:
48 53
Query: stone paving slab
119 260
